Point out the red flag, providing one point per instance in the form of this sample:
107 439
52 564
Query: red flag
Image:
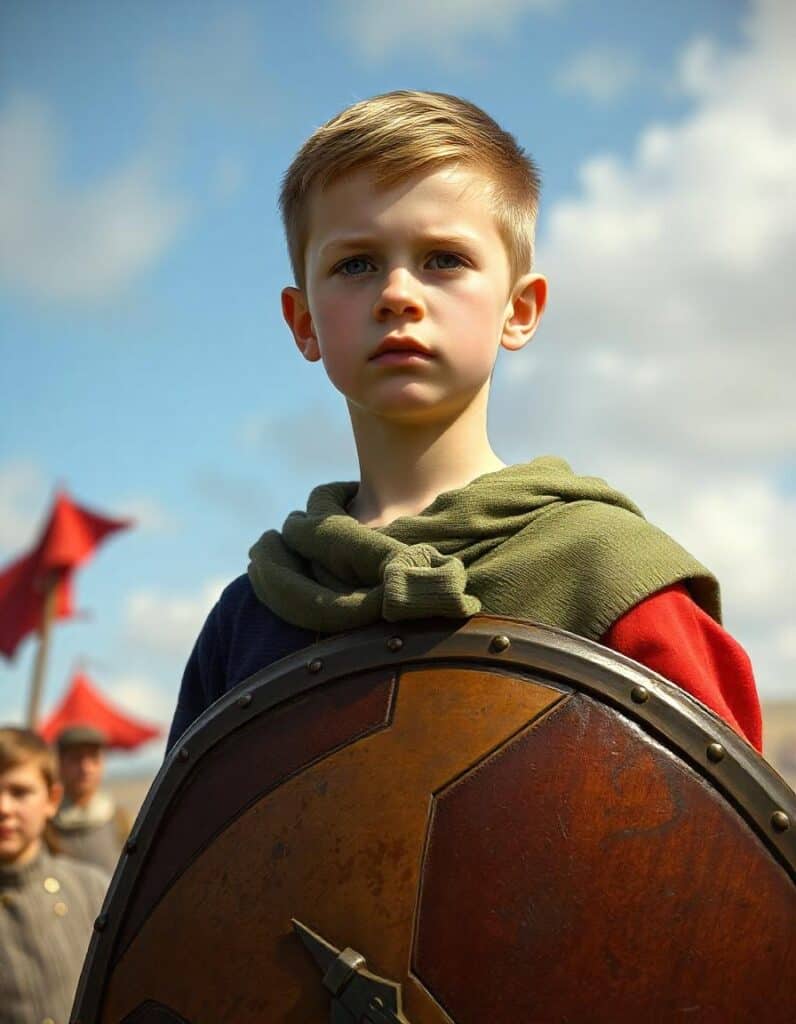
84 705
69 536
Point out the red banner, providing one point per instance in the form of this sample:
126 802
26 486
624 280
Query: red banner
68 539
84 705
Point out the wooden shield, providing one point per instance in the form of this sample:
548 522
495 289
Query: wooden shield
508 823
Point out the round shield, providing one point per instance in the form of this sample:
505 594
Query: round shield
484 823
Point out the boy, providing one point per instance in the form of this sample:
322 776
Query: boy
410 222
89 825
47 903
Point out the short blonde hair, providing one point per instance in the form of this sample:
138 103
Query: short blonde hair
399 134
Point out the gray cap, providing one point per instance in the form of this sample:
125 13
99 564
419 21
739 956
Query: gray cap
75 734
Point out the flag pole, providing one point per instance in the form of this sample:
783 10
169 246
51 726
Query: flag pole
40 663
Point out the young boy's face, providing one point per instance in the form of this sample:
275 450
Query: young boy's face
408 293
26 805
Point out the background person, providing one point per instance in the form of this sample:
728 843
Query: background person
89 825
48 902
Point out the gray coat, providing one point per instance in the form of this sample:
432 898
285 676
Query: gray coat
47 910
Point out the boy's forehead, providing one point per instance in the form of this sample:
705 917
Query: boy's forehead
450 199
24 771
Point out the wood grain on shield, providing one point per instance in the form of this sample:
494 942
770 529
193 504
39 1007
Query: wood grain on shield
248 763
614 928
339 846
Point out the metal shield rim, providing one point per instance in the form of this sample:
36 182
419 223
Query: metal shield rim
563 660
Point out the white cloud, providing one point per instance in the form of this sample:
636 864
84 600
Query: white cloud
64 243
737 525
376 30
141 697
169 623
667 362
668 272
23 498
147 514
601 74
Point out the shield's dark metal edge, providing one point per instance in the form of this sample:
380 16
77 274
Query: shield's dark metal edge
694 732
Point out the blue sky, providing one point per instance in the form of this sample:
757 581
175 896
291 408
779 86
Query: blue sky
144 364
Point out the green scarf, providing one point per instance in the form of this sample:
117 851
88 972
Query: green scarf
532 541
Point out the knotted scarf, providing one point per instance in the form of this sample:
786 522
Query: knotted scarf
533 541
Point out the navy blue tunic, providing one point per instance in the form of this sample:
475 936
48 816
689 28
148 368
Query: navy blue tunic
240 637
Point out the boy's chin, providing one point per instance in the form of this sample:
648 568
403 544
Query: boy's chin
12 853
411 410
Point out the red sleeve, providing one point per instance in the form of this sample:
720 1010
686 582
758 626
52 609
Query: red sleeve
669 633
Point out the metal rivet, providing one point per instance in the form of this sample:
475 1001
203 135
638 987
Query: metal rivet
715 752
395 643
100 923
315 665
639 694
184 754
52 885
780 821
131 845
500 643
61 909
244 700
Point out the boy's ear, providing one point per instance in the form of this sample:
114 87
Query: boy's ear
528 300
299 320
54 798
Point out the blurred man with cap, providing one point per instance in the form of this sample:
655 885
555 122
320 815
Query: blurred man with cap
89 826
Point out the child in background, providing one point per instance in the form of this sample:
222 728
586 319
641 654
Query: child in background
410 226
48 903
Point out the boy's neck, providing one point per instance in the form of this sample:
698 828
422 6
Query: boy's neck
404 468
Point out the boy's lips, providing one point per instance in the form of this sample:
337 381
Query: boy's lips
400 346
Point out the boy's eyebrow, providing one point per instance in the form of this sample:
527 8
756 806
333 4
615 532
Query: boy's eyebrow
369 242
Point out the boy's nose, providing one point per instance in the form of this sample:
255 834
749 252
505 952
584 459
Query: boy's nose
400 296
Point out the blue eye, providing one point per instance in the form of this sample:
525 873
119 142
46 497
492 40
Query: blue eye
447 261
353 267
